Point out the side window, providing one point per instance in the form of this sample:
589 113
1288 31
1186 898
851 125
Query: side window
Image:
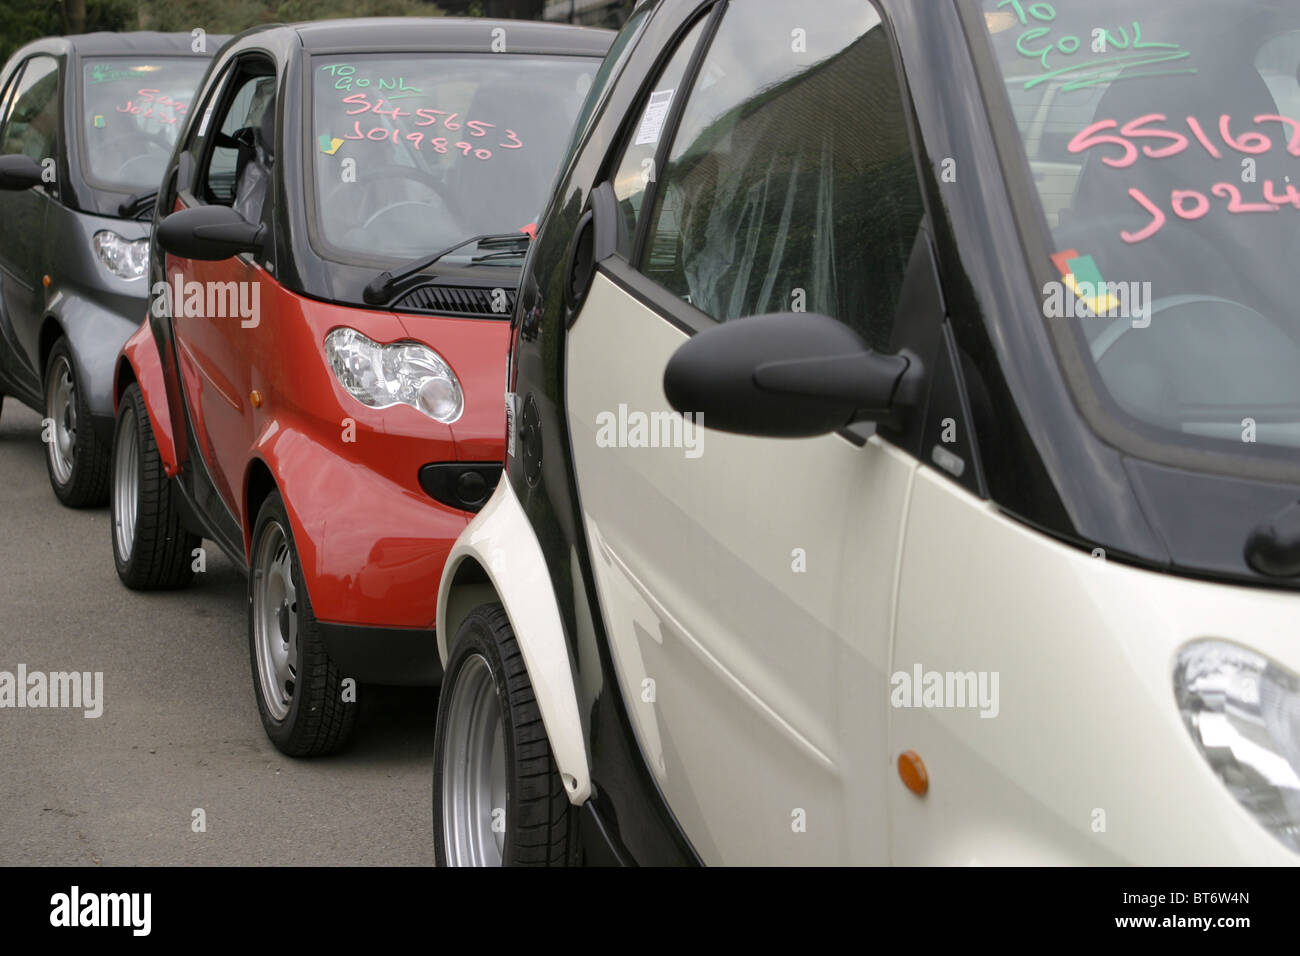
32 124
636 168
238 168
1277 62
7 97
610 67
791 183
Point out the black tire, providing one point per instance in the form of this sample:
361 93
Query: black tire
160 551
86 485
318 720
540 826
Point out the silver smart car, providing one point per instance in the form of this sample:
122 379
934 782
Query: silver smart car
87 125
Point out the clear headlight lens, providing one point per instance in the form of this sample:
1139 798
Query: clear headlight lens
1243 711
403 373
125 258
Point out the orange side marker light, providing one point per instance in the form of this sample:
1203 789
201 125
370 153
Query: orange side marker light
911 769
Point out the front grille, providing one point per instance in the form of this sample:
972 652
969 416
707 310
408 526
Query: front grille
486 301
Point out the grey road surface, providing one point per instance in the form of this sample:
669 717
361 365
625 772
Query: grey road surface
179 731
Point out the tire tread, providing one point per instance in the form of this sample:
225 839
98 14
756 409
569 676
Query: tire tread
88 486
541 823
162 549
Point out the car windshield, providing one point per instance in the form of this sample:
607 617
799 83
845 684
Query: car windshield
1162 138
132 112
415 153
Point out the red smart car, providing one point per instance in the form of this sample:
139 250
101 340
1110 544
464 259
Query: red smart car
318 387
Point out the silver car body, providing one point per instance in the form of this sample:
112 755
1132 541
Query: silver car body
52 284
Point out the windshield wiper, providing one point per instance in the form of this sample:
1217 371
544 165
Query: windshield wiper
132 206
508 254
379 291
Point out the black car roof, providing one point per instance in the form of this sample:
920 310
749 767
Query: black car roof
448 34
139 42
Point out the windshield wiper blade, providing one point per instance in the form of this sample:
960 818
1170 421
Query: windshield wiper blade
379 291
132 206
508 254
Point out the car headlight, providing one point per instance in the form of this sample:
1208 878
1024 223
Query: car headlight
1243 711
403 373
125 258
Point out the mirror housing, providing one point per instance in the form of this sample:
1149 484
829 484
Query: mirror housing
210 233
593 242
19 171
785 375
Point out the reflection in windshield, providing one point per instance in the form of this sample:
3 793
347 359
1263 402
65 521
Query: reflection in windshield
416 153
1164 143
133 112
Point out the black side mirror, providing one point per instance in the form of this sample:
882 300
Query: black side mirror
19 172
785 375
210 233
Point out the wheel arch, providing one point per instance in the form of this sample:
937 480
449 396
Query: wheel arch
51 331
139 362
470 586
259 482
498 558
123 378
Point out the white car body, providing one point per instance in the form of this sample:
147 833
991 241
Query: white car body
1086 761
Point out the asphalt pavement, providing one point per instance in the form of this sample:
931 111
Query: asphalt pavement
179 732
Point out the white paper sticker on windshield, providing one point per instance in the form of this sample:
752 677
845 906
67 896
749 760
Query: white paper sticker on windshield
652 122
207 115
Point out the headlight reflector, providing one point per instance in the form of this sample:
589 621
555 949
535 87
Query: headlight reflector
124 258
403 373
1243 711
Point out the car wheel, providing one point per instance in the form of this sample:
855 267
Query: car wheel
151 547
76 458
497 796
300 691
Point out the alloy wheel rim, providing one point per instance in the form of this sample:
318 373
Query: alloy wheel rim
275 620
474 769
61 409
126 484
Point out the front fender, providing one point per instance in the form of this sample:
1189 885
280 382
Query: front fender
369 548
501 542
140 360
97 330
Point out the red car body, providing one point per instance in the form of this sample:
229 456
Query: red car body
244 406
372 571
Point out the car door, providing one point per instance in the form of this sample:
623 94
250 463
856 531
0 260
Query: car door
31 127
747 584
216 306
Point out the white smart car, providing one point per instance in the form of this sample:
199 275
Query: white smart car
903 451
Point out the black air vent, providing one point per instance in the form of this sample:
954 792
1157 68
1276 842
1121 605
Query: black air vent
477 301
465 485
